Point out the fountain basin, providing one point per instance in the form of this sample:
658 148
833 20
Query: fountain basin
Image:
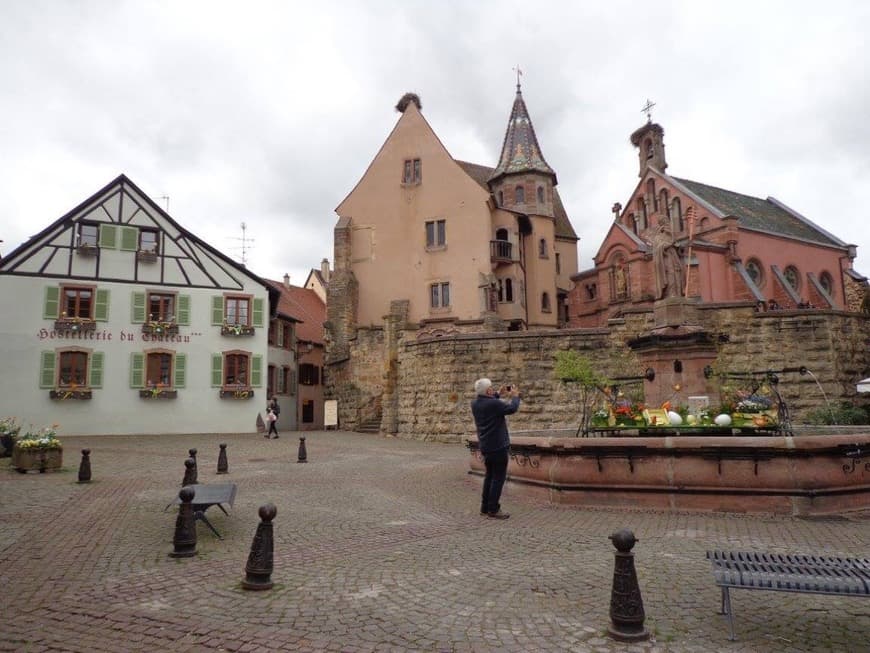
801 475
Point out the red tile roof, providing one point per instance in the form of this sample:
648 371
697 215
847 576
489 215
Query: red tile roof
304 305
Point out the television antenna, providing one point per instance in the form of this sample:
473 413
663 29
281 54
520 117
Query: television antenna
165 197
246 243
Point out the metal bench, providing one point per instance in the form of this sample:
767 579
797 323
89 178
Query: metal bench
206 496
808 574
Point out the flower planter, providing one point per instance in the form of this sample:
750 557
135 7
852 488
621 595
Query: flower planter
158 394
237 330
160 328
75 324
146 256
63 395
36 459
236 394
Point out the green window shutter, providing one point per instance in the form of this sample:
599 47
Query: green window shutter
96 380
47 369
180 370
51 305
183 310
108 236
217 310
258 312
217 370
129 239
137 370
257 371
101 305
138 306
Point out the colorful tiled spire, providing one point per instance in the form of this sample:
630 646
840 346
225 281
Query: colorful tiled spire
520 151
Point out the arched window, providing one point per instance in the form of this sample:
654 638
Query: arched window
826 281
618 279
792 277
705 222
542 248
500 198
641 210
501 234
677 214
545 303
663 200
540 194
648 146
520 195
632 222
755 271
651 192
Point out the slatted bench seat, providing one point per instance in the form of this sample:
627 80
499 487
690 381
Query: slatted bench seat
809 574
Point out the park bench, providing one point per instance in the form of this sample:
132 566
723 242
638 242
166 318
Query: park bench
808 574
206 496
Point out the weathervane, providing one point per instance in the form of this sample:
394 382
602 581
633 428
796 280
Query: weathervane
519 73
648 109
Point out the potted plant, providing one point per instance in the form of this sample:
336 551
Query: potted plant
38 450
8 433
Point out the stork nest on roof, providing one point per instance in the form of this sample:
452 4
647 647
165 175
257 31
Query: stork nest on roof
406 99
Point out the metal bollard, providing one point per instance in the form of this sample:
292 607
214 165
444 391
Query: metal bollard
85 467
192 453
258 570
626 603
303 454
184 539
189 472
223 467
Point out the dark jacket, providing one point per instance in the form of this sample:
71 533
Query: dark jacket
489 413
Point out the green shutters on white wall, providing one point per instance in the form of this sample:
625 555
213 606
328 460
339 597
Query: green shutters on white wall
109 236
256 371
101 305
51 305
217 370
217 310
47 369
180 370
138 308
129 239
137 370
258 312
96 380
183 310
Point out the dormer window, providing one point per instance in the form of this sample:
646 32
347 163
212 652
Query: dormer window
520 195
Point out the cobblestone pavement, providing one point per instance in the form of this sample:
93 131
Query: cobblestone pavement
378 547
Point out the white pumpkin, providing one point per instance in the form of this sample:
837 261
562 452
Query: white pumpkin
723 420
674 418
691 420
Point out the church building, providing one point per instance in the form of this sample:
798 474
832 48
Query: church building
680 238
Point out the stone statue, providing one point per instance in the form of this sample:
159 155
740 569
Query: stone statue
667 262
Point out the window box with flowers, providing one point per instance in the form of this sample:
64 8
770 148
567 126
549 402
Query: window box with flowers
236 373
147 255
238 315
237 330
75 324
86 249
160 328
8 434
38 451
158 391
236 393
63 394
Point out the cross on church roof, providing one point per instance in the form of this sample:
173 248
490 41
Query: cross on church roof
647 109
519 72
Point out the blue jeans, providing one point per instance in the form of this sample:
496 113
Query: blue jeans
496 464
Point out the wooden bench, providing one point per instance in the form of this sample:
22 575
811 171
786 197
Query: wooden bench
206 496
808 574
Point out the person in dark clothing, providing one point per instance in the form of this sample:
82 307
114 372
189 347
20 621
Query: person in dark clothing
272 414
489 412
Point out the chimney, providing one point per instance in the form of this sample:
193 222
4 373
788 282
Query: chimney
287 281
324 269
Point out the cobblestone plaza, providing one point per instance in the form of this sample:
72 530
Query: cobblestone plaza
378 546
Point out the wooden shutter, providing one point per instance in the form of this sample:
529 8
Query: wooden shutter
51 305
129 239
180 370
217 370
217 310
182 311
137 370
47 361
257 371
101 305
108 236
258 312
96 376
138 308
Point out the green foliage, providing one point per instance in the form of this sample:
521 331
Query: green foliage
574 367
845 414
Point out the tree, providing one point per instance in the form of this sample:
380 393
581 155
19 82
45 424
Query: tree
574 367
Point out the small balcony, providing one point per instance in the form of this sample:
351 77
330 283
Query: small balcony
74 324
500 251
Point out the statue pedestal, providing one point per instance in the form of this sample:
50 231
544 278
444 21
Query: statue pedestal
675 312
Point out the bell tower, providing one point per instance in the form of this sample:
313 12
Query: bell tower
650 142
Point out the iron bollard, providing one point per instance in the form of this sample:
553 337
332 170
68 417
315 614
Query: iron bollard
192 453
85 467
303 454
626 603
223 466
184 539
258 571
189 472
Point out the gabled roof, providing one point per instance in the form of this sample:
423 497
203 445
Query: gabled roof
520 151
766 215
304 306
481 174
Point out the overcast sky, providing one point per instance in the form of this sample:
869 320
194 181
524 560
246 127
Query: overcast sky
268 113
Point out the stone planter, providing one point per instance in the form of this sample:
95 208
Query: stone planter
7 442
35 459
